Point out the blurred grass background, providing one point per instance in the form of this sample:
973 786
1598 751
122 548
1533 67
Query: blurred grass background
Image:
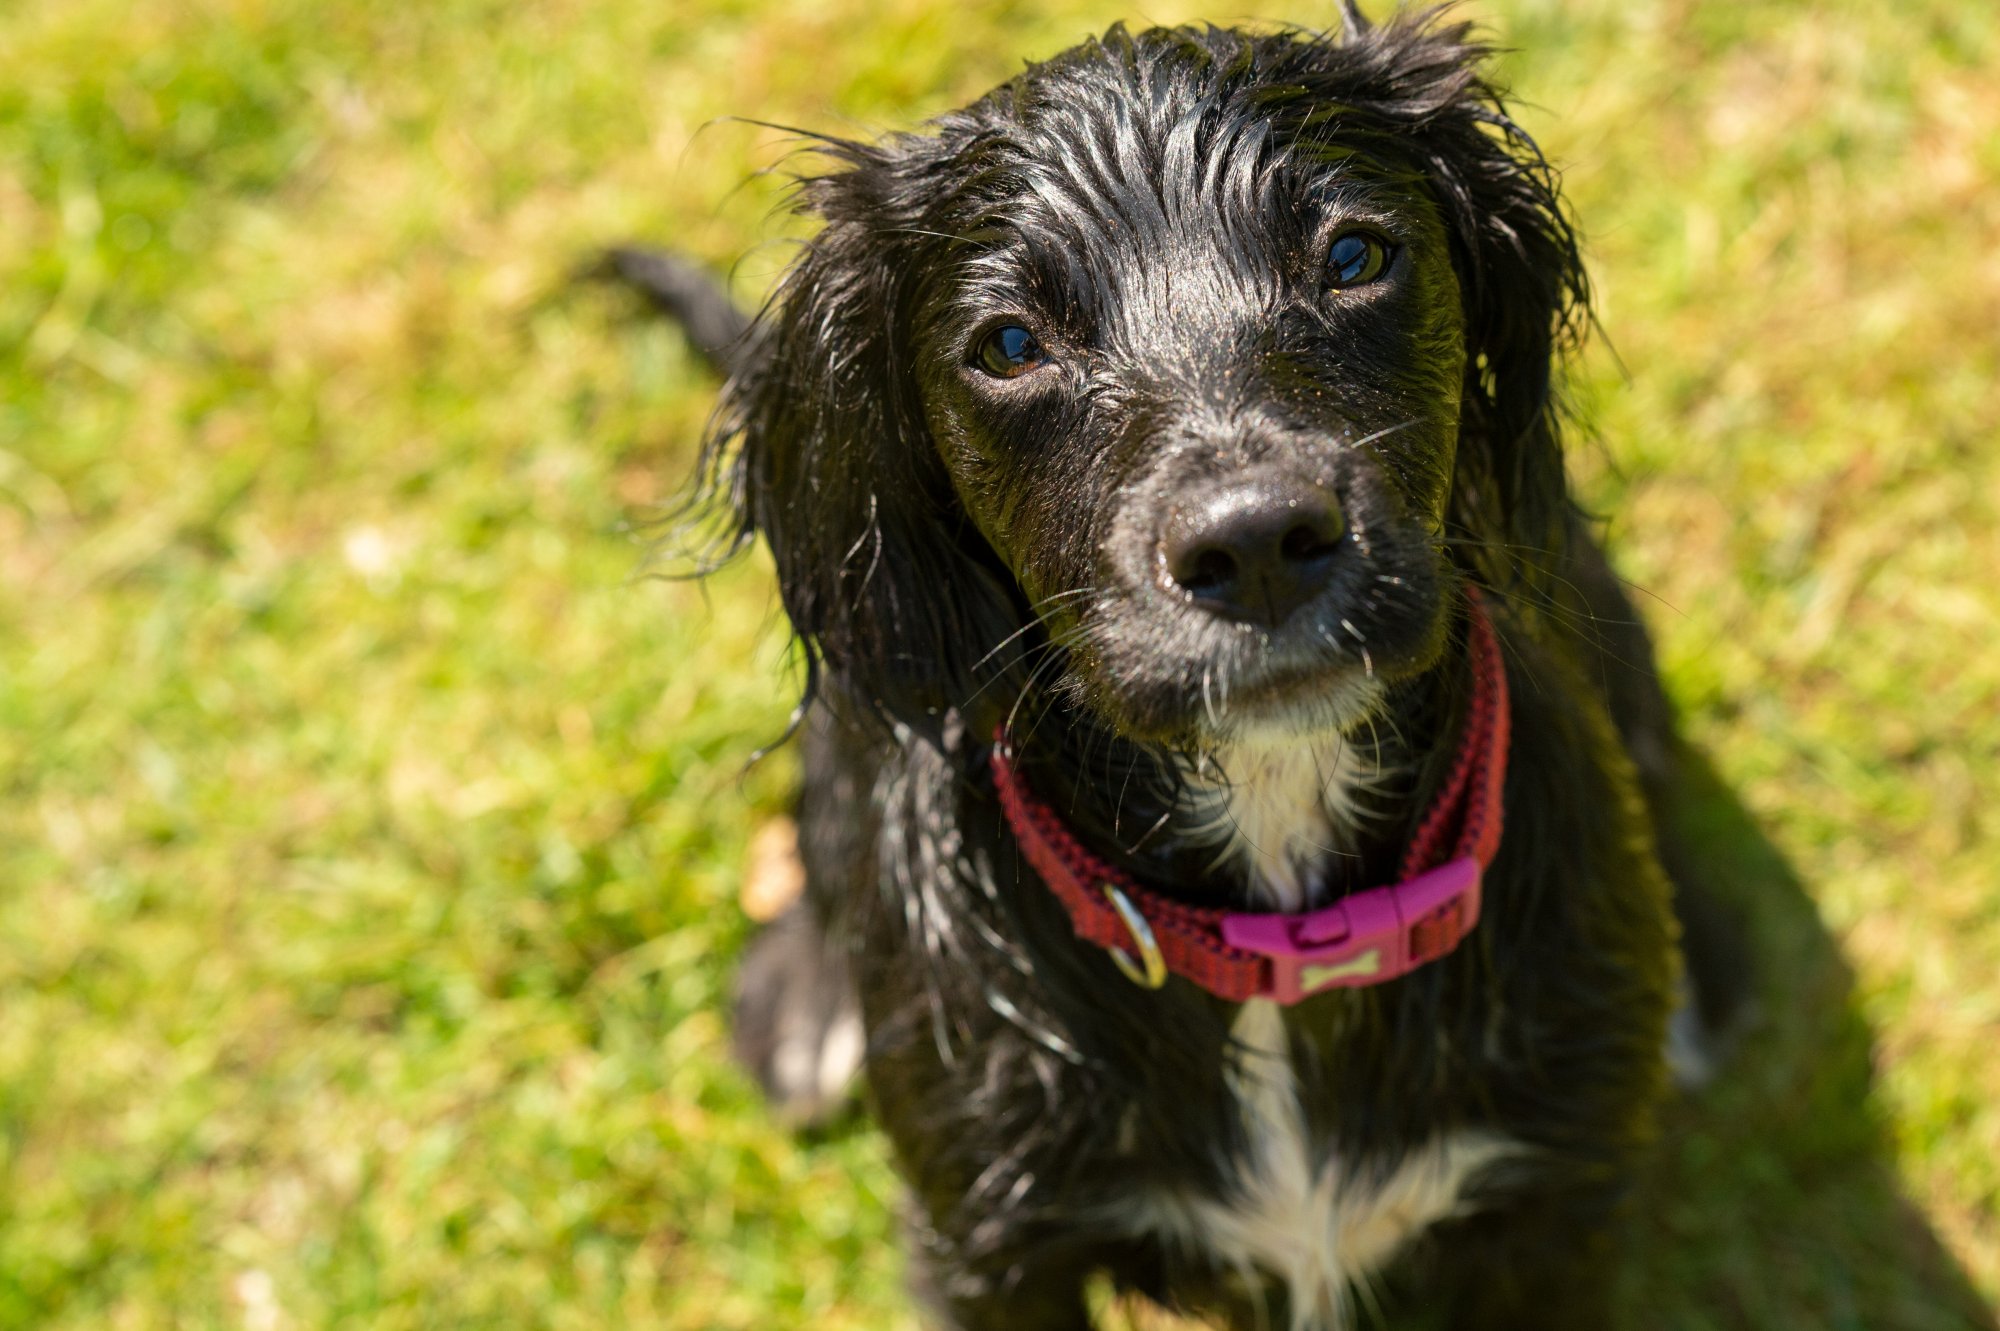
369 832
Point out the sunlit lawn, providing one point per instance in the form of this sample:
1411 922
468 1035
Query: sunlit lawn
370 830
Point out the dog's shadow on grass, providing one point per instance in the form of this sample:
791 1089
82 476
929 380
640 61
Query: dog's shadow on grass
1775 1204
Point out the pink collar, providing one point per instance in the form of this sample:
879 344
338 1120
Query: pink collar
1362 939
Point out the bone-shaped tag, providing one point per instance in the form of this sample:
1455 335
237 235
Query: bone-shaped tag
1318 977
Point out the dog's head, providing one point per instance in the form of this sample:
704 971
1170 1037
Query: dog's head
1185 376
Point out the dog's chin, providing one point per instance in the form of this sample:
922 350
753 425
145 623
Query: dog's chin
1343 709
1268 706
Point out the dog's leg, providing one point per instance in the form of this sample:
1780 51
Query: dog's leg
797 1027
1619 657
797 1017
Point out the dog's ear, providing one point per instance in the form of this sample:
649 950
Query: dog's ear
1526 296
1411 89
820 444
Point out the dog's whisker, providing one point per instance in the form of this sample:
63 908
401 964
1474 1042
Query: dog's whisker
1368 441
1045 603
1028 689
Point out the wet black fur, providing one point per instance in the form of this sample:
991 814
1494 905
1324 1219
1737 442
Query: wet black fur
1158 205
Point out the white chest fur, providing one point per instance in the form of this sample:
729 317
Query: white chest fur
1296 1215
1279 812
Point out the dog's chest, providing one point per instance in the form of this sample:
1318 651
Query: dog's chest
1296 1213
1280 812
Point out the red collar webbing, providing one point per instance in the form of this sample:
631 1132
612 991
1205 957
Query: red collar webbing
1364 938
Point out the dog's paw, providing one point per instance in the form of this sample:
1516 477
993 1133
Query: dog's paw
798 1024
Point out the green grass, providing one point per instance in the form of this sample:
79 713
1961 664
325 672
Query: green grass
369 832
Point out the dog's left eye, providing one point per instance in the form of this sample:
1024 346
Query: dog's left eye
1009 352
1355 259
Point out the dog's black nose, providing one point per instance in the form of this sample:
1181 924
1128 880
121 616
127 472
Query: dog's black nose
1256 550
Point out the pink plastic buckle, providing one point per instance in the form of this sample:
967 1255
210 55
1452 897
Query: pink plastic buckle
1366 938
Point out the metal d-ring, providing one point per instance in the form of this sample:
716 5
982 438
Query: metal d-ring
1150 971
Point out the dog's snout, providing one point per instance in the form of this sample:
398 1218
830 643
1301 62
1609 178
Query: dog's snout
1256 550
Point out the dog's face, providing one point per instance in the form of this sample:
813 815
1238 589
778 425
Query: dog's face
1157 377
1196 383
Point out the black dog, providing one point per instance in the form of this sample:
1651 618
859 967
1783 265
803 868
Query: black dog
1153 454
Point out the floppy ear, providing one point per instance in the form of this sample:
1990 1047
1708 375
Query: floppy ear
1525 296
820 443
1411 92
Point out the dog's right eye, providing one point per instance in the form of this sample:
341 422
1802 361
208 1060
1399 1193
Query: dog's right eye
1008 353
1355 259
